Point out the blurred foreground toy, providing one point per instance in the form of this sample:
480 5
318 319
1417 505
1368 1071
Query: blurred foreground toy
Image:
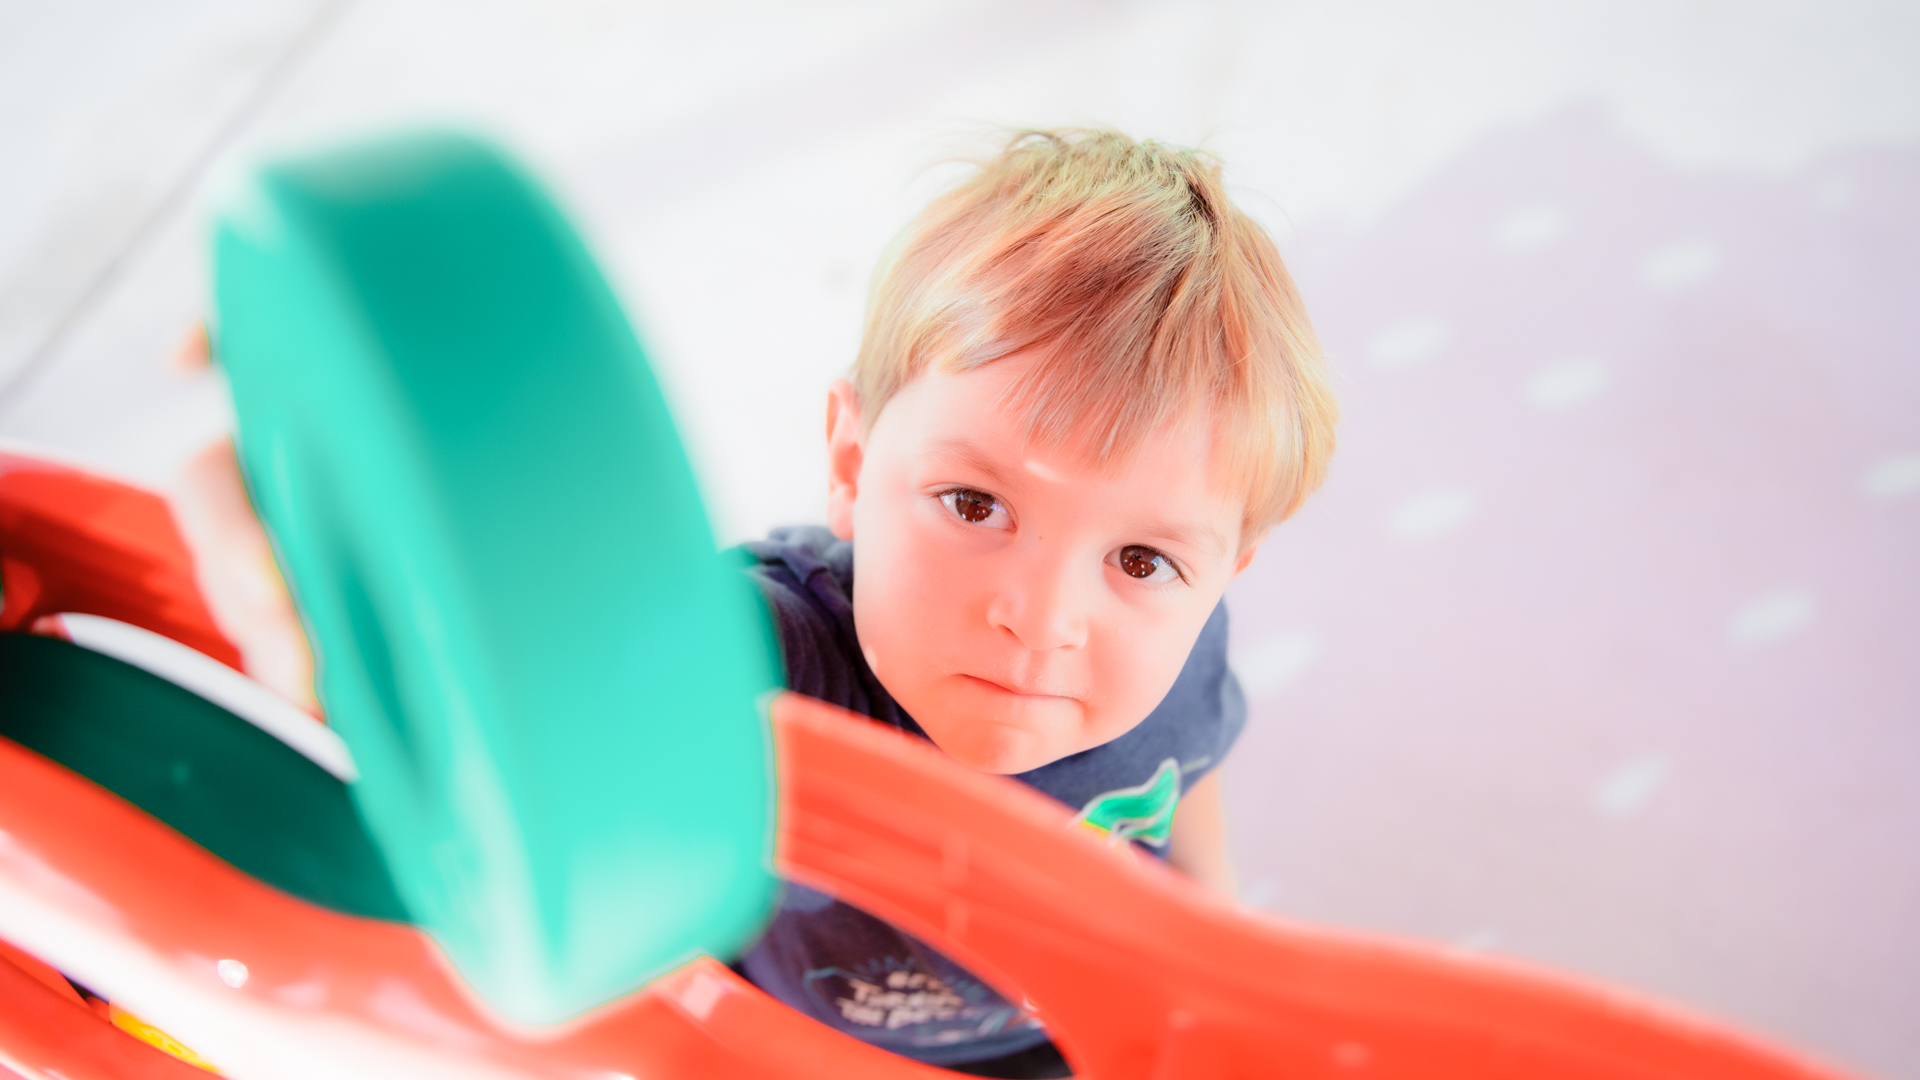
545 798
548 677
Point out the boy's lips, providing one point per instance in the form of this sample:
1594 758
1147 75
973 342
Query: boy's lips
1019 690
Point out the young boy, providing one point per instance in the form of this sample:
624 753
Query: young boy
1085 392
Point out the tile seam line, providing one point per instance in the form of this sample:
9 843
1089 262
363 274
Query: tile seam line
14 389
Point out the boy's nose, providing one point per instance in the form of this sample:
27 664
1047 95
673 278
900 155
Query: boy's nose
1043 608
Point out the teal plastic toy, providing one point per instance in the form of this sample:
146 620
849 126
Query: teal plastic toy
549 679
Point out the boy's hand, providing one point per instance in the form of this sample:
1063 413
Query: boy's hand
233 563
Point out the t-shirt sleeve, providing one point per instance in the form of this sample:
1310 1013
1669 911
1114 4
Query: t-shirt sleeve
1218 705
809 642
804 575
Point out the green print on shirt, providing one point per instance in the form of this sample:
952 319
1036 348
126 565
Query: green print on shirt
1143 812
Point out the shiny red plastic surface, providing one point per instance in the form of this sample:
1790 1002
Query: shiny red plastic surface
73 542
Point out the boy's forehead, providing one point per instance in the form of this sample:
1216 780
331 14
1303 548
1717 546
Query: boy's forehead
993 418
1040 470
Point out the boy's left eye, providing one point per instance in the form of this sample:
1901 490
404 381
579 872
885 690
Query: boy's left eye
1146 564
976 508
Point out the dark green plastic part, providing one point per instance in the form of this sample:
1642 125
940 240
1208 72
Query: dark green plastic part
215 778
548 677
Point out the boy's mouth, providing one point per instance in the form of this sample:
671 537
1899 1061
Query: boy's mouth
1018 690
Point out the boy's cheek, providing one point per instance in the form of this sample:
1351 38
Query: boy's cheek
914 601
1132 679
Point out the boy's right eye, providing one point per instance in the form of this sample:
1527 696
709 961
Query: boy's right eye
976 508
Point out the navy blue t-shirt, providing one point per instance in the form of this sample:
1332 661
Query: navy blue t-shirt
856 973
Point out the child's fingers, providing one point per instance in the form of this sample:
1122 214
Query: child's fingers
194 353
234 565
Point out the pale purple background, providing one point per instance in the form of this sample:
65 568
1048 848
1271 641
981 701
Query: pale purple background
1599 648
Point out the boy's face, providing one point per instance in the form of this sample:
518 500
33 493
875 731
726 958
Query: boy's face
1021 605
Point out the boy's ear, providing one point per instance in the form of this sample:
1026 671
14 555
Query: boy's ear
845 451
1246 557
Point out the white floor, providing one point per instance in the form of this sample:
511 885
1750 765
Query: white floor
1597 650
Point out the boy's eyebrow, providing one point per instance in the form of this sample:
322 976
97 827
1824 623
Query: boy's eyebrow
965 453
1207 539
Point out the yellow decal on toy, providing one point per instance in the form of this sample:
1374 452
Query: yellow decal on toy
156 1038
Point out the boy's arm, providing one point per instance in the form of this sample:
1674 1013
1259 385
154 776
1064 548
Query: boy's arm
238 577
234 562
1199 842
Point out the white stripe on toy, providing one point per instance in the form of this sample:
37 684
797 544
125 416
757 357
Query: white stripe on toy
218 683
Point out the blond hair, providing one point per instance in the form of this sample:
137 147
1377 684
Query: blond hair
1149 297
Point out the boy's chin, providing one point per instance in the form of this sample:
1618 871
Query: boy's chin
989 746
1005 744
